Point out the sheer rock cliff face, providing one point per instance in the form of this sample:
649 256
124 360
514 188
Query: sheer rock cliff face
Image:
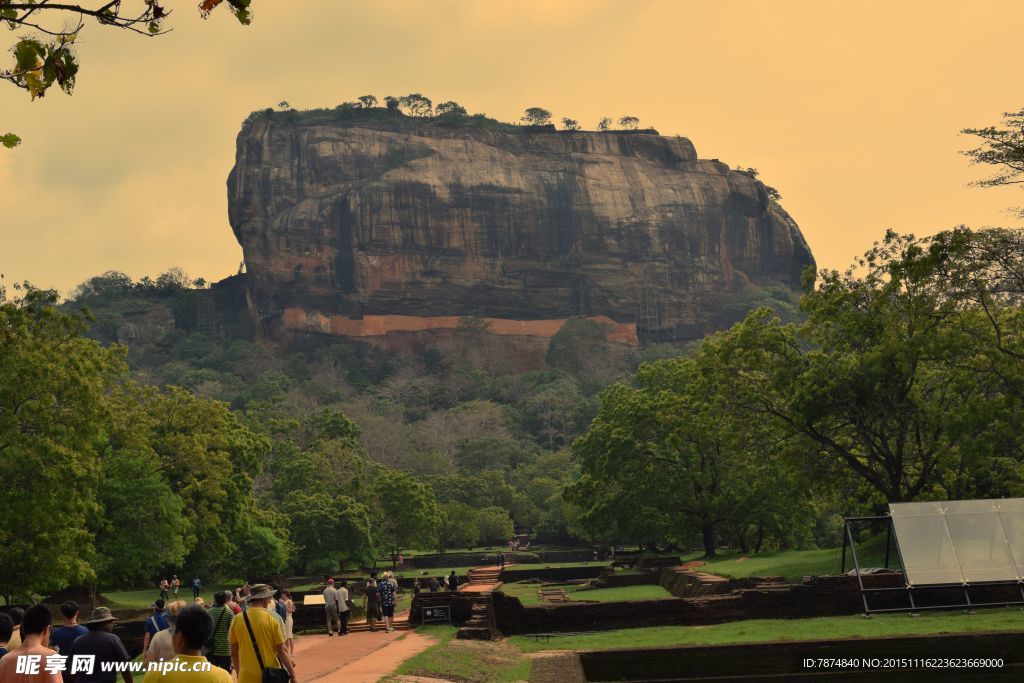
371 229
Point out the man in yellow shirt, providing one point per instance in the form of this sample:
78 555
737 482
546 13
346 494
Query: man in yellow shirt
268 636
192 628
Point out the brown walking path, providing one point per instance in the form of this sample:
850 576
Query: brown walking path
481 587
355 658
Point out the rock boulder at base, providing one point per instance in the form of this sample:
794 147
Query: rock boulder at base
376 225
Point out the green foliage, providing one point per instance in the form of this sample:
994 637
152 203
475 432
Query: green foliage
260 552
10 140
417 104
450 109
408 511
459 529
53 385
494 525
570 124
668 461
328 529
142 525
604 124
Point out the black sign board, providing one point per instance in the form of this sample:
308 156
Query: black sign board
437 614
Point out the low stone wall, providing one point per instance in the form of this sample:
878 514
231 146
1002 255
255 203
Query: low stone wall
820 596
619 580
520 573
776 661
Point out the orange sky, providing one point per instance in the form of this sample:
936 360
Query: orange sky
850 109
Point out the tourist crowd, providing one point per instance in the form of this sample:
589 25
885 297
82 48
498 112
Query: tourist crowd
249 631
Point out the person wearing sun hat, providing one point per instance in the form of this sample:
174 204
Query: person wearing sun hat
257 642
101 643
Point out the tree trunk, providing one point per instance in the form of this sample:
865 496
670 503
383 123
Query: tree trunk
709 540
744 544
760 538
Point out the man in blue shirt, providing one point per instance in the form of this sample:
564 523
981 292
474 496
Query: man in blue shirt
196 586
61 638
156 623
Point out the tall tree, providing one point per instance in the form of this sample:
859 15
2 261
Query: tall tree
450 108
409 514
1002 147
53 412
878 377
629 122
536 116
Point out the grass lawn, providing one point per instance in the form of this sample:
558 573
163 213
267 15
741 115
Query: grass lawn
763 630
553 565
466 660
527 593
794 564
139 599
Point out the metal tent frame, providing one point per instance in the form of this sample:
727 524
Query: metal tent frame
892 540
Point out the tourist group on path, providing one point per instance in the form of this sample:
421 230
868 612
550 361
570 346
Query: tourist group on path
252 637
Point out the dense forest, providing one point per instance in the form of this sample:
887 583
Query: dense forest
151 445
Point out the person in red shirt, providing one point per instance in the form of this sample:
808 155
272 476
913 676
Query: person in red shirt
40 663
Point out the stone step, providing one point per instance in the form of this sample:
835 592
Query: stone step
475 633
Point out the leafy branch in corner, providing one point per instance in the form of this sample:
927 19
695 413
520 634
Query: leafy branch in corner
47 58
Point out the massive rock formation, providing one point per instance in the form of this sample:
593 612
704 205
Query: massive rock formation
372 225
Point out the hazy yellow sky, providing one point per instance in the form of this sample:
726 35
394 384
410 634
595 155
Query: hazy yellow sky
850 109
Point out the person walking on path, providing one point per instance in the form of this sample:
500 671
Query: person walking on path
371 601
197 586
453 582
175 585
344 606
194 627
156 623
433 585
331 605
61 638
101 643
388 598
284 599
165 585
220 652
36 626
257 642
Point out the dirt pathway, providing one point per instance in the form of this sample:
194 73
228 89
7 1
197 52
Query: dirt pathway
356 657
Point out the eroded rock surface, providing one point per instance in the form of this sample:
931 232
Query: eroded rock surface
353 218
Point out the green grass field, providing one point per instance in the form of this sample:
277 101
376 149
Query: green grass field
793 564
462 660
527 593
139 599
764 630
